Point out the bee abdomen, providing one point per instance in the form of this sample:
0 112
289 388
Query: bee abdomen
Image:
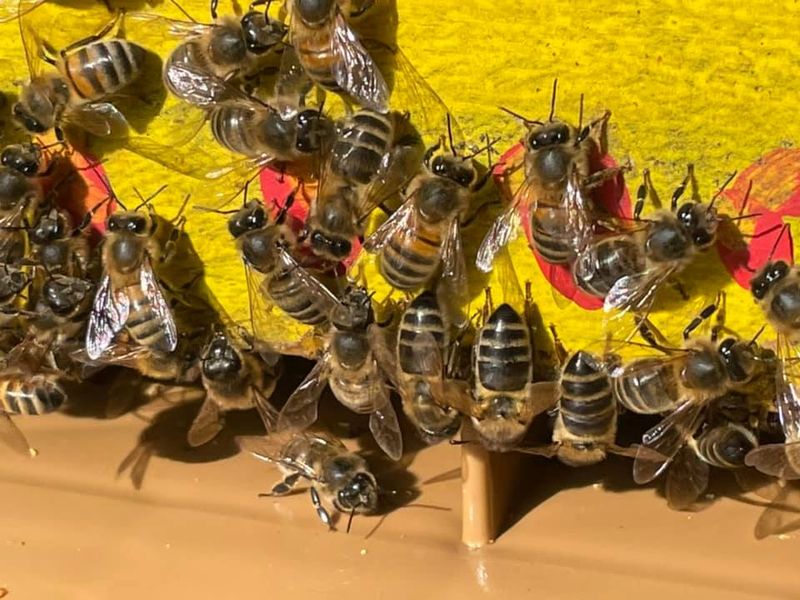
104 67
143 324
353 391
409 260
726 446
289 294
550 244
651 391
233 126
318 59
360 148
597 270
37 395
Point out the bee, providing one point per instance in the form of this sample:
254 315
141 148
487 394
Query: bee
555 192
704 370
59 247
418 364
424 233
230 49
30 158
373 157
88 72
129 297
332 55
723 446
349 365
20 197
669 242
338 479
776 290
231 378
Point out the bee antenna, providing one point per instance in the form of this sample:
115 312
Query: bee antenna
450 134
746 197
784 229
350 520
526 121
553 100
146 201
752 342
215 210
580 114
183 11
720 190
182 208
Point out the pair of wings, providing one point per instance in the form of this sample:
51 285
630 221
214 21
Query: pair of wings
300 410
404 222
783 460
111 310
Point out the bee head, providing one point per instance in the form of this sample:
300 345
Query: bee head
552 147
36 111
64 295
700 223
740 359
313 130
12 283
14 187
221 359
261 33
354 310
251 217
314 12
51 226
131 222
460 170
771 273
227 45
24 158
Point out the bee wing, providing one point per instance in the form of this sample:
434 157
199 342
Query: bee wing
578 211
778 460
267 412
31 43
787 379
382 349
384 425
160 25
11 10
102 119
107 318
206 425
687 479
355 71
270 448
542 396
198 87
292 84
454 267
402 219
300 409
661 443
158 304
646 369
11 435
633 294
504 230
782 515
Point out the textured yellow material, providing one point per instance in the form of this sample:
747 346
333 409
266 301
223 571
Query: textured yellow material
709 82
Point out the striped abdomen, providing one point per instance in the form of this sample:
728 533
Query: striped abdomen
103 68
602 264
411 257
647 386
289 293
143 324
36 395
725 446
586 404
503 354
422 336
550 234
235 126
315 53
361 146
356 388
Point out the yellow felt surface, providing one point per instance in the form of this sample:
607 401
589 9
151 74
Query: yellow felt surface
709 82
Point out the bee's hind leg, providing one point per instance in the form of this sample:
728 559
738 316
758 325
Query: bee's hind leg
284 486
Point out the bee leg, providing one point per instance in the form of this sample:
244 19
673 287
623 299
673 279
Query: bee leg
699 318
679 288
323 514
679 191
561 351
361 9
283 487
651 334
599 177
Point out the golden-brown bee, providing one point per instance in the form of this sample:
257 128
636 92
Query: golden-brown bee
776 289
418 363
231 378
558 179
88 72
332 55
704 371
423 236
373 157
129 296
349 366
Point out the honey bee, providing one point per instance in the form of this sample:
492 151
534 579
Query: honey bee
418 365
88 72
20 197
373 157
669 242
129 296
231 378
30 158
776 290
57 246
332 55
704 370
338 479
555 192
424 234
349 365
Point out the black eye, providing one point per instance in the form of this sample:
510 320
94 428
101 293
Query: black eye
137 226
113 225
256 219
464 178
702 238
341 247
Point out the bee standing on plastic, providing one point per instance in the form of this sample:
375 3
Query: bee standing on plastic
424 234
555 191
89 71
231 377
349 365
776 290
333 56
373 157
129 296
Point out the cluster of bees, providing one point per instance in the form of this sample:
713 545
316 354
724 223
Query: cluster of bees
263 84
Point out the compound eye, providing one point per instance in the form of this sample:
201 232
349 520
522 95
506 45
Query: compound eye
113 225
341 247
138 226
